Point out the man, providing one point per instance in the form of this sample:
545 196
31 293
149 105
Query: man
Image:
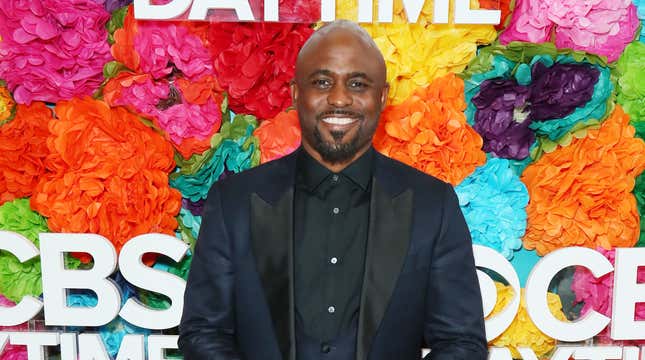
334 251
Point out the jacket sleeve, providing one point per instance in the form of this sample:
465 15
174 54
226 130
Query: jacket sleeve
207 328
454 322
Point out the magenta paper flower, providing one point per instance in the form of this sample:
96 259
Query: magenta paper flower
12 352
165 103
52 49
167 47
602 27
596 294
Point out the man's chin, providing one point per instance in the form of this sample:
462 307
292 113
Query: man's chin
336 153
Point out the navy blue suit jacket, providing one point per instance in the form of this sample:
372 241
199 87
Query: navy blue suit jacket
419 289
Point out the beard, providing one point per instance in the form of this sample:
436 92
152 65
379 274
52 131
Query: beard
337 151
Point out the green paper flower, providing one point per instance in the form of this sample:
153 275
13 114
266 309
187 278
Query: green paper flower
630 71
19 279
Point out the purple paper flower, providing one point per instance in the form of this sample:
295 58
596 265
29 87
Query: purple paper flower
111 5
52 49
556 91
502 118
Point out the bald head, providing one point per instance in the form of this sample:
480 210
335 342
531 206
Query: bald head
341 29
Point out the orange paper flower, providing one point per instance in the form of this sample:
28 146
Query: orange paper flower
23 150
278 136
429 131
581 194
123 47
108 174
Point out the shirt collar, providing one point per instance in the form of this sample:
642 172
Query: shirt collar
311 173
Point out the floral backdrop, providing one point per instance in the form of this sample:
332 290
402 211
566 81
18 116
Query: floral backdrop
115 126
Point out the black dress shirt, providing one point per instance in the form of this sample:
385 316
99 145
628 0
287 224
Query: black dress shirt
331 219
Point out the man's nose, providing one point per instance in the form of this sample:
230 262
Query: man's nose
339 96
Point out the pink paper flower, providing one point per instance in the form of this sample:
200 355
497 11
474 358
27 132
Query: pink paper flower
596 294
167 106
12 352
529 23
165 47
602 27
52 49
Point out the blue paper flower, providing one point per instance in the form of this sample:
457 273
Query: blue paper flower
493 201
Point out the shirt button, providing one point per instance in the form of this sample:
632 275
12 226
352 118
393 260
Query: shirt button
331 309
333 260
325 348
334 178
336 210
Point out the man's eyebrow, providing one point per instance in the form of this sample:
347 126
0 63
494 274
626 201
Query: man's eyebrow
325 72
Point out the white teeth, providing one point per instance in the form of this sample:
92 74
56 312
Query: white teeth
338 121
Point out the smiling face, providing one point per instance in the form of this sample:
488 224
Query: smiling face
339 91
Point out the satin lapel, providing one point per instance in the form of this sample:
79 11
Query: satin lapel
272 243
387 246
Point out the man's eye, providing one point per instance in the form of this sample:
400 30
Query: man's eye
357 84
321 83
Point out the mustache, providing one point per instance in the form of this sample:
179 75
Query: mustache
339 112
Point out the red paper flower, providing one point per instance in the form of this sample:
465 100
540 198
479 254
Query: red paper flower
23 150
108 174
254 63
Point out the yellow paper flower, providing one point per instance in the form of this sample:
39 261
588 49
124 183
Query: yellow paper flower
416 54
7 105
522 332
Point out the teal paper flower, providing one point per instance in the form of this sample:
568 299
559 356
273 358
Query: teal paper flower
493 201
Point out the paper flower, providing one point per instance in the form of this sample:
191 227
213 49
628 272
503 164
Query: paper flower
493 201
630 70
278 136
7 105
255 62
23 150
596 294
51 49
522 332
112 5
505 6
189 225
429 132
521 91
187 122
502 118
234 148
416 54
639 193
18 279
640 11
12 352
602 27
108 174
581 194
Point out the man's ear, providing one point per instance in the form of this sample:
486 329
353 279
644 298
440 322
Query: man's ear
384 94
294 91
